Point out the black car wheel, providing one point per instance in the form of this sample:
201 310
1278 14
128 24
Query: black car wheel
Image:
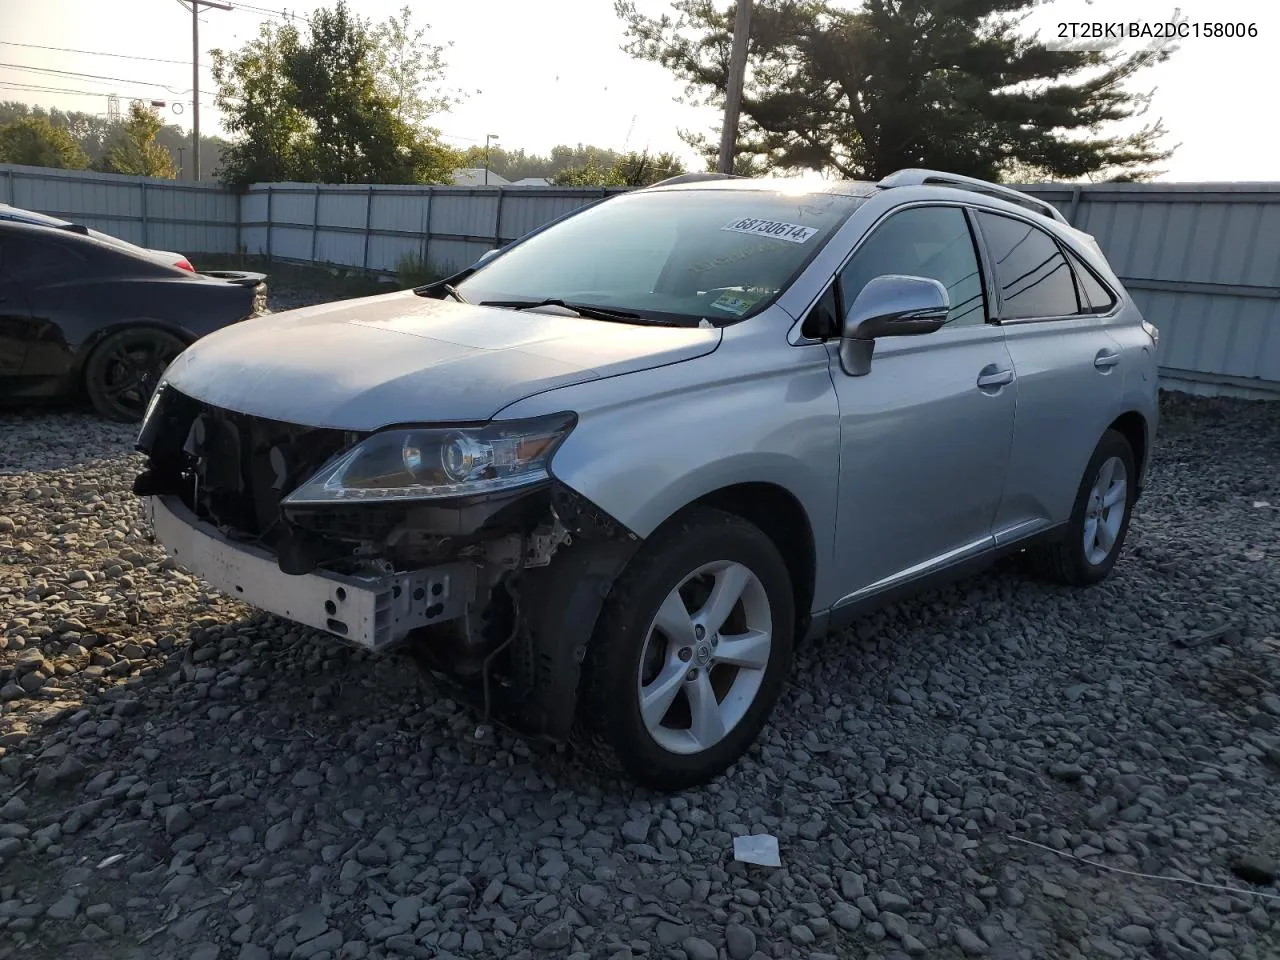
125 368
691 651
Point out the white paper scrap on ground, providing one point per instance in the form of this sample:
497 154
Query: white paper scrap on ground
760 849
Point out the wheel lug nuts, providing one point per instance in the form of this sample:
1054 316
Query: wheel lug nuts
699 632
686 654
692 674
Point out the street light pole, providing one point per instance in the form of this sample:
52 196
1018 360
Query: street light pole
487 138
195 78
733 89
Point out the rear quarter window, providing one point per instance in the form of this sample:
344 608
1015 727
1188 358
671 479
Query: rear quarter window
1095 296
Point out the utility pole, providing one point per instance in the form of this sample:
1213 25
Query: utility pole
195 77
487 137
733 90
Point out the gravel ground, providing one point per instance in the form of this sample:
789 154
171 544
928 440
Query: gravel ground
180 777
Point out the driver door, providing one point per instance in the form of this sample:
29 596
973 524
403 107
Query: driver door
925 436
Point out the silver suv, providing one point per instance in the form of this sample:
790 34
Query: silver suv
615 471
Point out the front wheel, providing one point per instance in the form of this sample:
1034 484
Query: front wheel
691 650
1099 520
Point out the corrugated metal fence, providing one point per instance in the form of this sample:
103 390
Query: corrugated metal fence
1201 260
162 214
375 227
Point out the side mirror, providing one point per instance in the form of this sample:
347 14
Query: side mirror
890 306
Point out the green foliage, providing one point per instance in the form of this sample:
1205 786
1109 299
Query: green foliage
519 163
343 104
629 170
413 270
270 140
133 148
37 142
947 84
93 133
410 69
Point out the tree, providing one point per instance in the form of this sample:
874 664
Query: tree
946 84
270 137
37 142
410 70
134 149
94 133
324 107
630 170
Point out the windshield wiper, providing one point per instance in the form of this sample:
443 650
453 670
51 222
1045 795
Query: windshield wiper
450 291
590 313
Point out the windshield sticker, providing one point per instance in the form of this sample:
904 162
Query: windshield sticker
736 303
774 229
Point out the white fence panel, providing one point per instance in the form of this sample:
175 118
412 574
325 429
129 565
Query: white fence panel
1201 260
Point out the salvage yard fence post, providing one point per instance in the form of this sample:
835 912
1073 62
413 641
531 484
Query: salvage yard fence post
368 222
142 196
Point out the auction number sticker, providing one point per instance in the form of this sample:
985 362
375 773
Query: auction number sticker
776 229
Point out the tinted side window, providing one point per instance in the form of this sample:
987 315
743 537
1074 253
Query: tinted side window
1031 272
1094 295
933 242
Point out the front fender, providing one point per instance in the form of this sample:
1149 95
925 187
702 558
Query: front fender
757 411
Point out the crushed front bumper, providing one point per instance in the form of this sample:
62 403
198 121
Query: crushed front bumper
371 612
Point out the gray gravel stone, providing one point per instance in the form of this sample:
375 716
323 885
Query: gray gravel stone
739 941
227 760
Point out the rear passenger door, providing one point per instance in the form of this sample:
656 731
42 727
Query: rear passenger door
1069 372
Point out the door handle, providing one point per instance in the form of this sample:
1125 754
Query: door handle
994 377
1106 359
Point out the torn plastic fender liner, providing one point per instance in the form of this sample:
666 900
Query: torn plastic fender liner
561 605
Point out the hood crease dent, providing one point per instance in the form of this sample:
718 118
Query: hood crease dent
399 358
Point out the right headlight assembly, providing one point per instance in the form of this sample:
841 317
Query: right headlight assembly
428 463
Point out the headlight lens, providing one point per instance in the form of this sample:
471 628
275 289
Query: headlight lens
430 462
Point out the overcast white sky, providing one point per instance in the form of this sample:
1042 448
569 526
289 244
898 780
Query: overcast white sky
539 74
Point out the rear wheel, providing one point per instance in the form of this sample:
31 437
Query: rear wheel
125 368
1099 521
691 650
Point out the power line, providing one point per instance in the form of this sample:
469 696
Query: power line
93 53
71 91
91 76
269 12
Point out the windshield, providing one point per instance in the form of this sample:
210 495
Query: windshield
668 255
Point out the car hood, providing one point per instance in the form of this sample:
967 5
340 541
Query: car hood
400 358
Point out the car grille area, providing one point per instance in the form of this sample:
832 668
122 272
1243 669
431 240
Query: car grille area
230 468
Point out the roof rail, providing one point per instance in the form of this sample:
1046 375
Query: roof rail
695 178
915 177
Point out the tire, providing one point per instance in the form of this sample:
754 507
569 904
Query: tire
1067 560
632 650
124 368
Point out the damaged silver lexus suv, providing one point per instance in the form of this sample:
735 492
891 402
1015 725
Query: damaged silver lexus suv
608 476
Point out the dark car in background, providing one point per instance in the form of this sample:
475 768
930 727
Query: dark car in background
19 215
84 316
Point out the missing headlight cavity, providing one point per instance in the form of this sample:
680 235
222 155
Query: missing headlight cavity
444 574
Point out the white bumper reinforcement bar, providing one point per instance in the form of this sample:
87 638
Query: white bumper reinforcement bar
372 612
